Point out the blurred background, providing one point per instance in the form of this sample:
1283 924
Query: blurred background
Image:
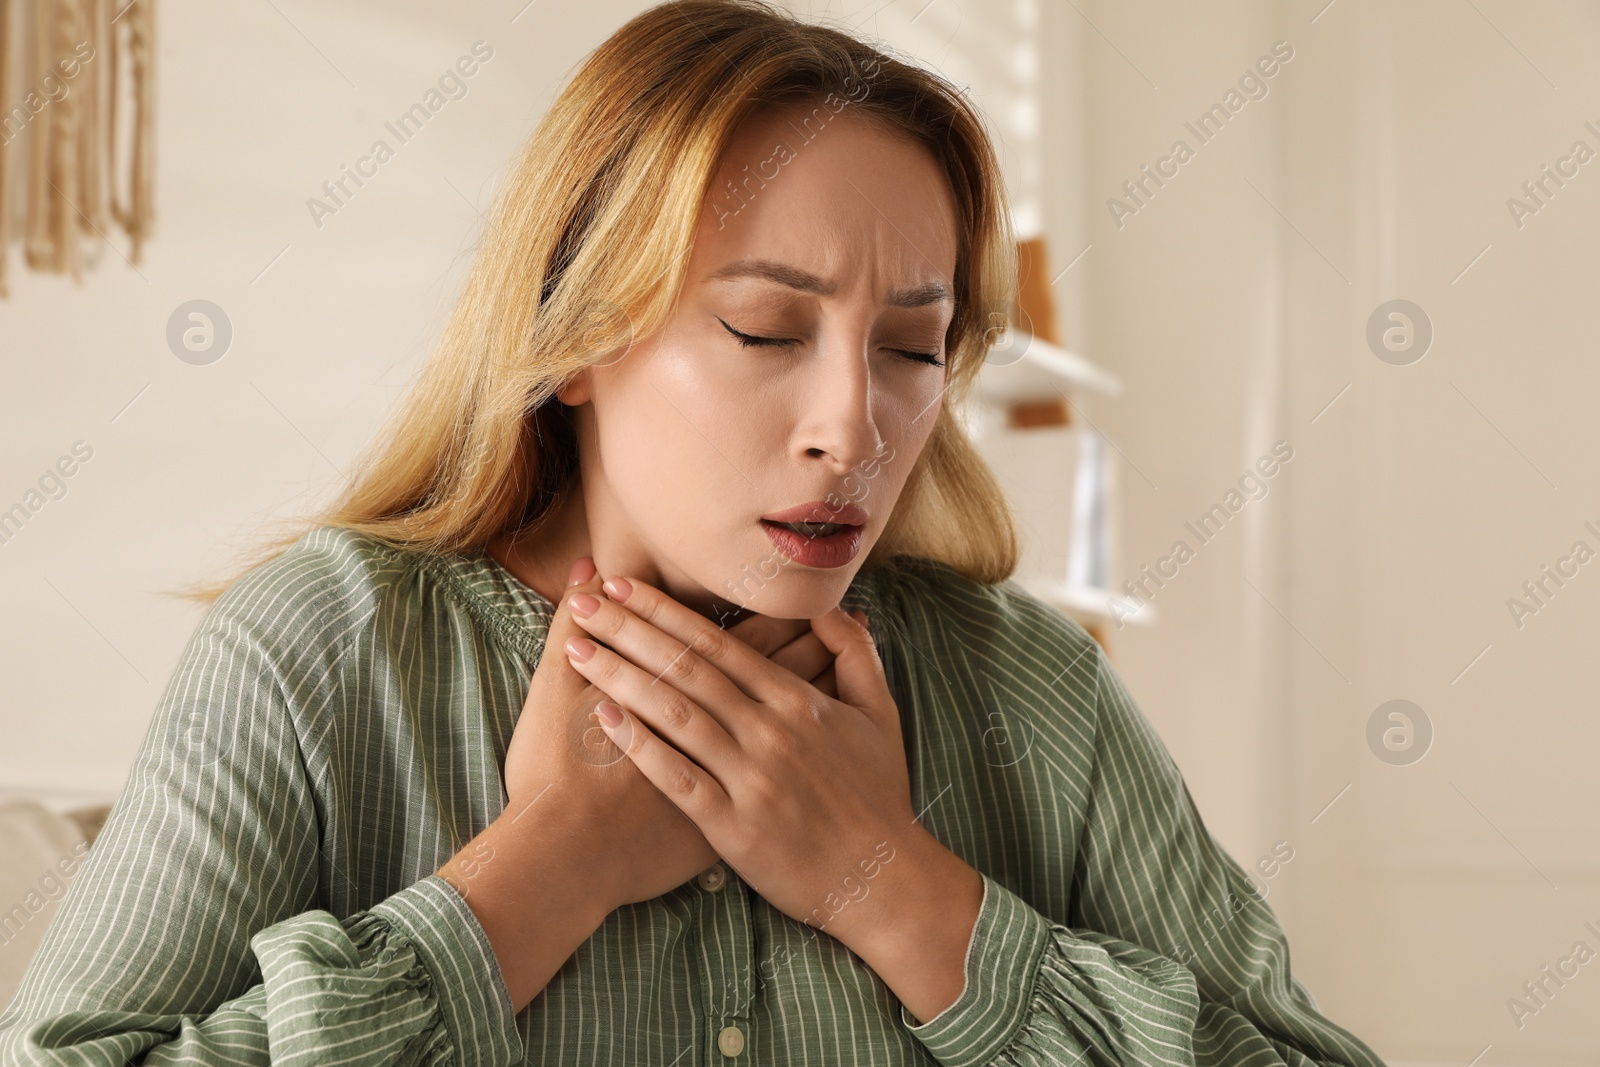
1365 271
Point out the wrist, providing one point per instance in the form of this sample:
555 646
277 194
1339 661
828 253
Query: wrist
918 936
533 895
556 865
920 885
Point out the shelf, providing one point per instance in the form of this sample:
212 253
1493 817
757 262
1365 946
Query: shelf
1083 602
1040 371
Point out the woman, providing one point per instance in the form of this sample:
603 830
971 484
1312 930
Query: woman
692 425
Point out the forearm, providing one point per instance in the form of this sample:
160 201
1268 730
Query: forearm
525 883
914 926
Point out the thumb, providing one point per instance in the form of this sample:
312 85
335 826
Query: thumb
857 668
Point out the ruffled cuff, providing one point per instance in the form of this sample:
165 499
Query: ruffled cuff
471 991
1009 939
412 979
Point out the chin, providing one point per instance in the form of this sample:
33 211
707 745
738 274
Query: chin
791 592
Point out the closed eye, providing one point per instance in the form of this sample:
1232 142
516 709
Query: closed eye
750 340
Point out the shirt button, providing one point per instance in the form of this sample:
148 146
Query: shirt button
712 879
730 1041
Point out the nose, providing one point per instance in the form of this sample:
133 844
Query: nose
836 423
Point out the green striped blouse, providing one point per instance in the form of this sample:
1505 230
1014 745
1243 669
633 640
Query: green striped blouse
263 889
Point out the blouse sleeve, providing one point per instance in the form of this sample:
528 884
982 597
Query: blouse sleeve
1172 956
192 932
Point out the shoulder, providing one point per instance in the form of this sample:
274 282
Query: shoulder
998 627
1007 651
328 572
309 599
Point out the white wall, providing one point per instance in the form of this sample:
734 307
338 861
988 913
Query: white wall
1380 564
256 112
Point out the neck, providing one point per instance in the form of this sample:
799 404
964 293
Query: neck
542 558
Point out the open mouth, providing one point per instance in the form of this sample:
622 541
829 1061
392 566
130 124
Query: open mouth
815 544
812 529
823 533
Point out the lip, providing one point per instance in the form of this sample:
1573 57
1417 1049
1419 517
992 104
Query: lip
821 511
825 553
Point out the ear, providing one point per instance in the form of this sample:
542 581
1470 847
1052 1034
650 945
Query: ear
578 388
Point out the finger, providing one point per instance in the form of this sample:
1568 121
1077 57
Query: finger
741 665
672 714
582 579
565 687
641 643
826 683
806 655
562 625
857 668
696 792
766 634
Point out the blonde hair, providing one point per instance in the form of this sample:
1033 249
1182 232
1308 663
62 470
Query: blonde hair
623 162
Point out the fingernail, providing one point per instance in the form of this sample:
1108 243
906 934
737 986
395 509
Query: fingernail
582 571
584 605
610 714
619 589
580 648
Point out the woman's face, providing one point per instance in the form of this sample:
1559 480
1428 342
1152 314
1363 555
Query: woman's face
841 247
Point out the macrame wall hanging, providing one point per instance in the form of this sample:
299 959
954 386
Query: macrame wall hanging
77 85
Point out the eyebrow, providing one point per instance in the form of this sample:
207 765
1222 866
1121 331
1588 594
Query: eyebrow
915 296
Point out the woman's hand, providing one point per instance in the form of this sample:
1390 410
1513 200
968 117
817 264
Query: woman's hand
560 766
803 794
562 771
